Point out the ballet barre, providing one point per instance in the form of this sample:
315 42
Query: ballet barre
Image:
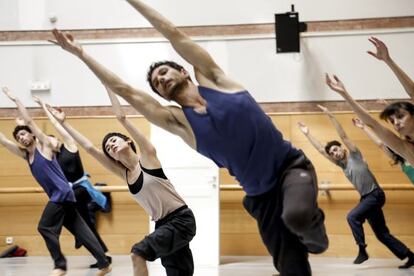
333 187
223 187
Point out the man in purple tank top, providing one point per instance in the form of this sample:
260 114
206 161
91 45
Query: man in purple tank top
221 120
37 149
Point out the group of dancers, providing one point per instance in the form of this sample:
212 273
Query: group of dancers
220 119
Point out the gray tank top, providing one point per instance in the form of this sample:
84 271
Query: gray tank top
155 193
359 174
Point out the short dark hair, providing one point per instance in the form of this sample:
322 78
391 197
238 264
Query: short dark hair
155 65
394 108
19 128
330 144
117 134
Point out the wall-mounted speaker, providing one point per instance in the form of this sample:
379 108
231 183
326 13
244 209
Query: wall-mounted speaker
287 28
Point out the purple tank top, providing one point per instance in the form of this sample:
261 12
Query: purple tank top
236 134
50 176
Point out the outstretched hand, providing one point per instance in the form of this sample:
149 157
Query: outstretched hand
37 100
58 113
20 121
382 50
335 84
9 95
358 123
382 102
303 128
66 41
324 109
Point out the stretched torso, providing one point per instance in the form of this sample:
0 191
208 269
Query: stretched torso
236 134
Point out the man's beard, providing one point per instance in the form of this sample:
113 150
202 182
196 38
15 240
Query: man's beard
178 88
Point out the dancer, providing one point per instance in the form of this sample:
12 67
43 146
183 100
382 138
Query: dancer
60 210
175 224
222 121
399 114
372 196
406 167
67 155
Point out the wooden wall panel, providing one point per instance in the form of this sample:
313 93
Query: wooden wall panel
20 213
236 225
128 223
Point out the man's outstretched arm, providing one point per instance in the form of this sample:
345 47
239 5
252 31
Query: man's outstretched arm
43 138
314 142
140 100
185 47
339 129
12 147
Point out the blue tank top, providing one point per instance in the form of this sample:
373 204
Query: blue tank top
50 176
236 134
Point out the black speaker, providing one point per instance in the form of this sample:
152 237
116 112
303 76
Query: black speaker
287 32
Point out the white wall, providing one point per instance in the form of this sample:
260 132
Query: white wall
270 77
80 14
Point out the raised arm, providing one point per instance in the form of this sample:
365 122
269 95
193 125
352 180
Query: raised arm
148 153
359 124
157 114
12 147
339 129
383 54
43 138
400 146
86 144
189 50
314 142
68 141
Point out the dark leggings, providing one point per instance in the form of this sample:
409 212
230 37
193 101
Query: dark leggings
289 220
82 199
370 208
56 215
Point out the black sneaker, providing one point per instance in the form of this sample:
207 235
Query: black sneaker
362 256
95 265
409 263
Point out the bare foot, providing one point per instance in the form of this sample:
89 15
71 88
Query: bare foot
104 271
58 272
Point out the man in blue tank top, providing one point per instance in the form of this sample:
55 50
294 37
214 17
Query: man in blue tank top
222 121
37 150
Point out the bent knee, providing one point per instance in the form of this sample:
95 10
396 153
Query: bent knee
298 219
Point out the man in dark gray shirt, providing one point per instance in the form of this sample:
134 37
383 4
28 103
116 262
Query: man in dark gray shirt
372 196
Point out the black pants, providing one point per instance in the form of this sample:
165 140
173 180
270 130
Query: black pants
56 215
82 200
289 220
171 242
370 208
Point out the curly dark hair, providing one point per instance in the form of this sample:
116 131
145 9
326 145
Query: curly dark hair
394 108
117 134
330 144
155 65
18 128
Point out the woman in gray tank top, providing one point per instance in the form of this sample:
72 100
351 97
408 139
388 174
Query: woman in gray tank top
175 223
372 196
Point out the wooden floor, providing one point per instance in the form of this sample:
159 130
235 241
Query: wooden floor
231 266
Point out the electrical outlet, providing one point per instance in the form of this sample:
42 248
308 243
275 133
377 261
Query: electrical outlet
40 86
9 240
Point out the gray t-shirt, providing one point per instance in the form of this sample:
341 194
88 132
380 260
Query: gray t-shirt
358 173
